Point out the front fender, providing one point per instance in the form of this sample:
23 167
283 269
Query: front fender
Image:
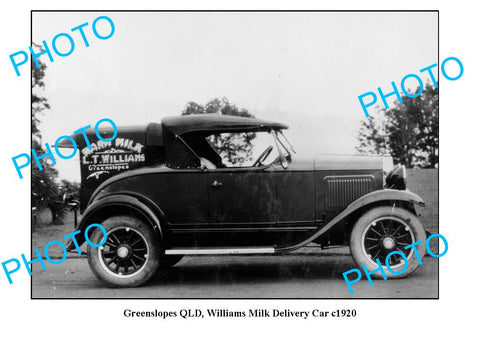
106 207
384 195
372 197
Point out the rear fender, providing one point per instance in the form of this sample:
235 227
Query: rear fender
115 204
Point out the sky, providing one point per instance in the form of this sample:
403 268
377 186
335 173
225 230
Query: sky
304 69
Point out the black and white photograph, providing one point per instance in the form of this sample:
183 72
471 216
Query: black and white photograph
227 154
239 170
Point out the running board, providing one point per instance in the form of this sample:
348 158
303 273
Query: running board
219 251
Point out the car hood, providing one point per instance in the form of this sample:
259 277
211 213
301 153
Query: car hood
335 162
348 162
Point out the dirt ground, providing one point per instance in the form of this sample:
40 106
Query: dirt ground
306 273
297 275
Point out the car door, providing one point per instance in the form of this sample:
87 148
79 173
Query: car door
296 194
242 197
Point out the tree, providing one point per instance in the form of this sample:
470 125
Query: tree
408 130
233 147
216 105
45 191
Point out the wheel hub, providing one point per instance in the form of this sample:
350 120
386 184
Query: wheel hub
388 242
123 251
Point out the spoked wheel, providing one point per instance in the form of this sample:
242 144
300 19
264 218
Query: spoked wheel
383 230
130 255
125 252
385 235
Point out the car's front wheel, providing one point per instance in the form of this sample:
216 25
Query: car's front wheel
383 230
129 257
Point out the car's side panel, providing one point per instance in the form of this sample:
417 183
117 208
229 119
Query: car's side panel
246 207
295 195
182 195
241 197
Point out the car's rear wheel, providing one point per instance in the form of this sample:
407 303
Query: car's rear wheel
129 257
383 230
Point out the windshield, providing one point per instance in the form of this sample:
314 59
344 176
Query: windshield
245 149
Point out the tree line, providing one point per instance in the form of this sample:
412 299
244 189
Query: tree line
408 131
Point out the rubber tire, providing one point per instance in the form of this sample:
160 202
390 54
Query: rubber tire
168 261
365 220
142 275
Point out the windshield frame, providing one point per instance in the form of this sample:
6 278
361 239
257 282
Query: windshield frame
283 151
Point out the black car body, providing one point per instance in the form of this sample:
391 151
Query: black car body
183 184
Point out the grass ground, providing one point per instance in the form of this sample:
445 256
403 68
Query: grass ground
424 182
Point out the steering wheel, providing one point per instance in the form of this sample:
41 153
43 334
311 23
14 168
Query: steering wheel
263 156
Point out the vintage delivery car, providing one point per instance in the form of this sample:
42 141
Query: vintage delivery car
217 184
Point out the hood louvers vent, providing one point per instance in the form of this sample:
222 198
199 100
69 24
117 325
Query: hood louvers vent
342 190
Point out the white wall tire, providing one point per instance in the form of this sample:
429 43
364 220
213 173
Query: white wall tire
130 257
382 230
